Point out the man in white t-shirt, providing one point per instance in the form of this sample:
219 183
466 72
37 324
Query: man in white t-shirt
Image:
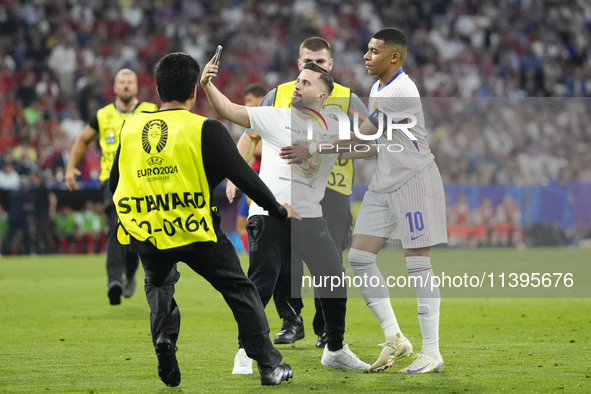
271 243
405 200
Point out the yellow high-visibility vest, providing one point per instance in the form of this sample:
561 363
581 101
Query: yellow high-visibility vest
110 121
163 194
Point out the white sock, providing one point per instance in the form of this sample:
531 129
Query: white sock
428 303
377 298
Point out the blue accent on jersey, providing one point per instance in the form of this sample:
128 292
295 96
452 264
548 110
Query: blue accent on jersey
390 81
374 118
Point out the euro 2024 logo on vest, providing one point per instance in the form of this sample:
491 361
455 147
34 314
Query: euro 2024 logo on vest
154 138
378 116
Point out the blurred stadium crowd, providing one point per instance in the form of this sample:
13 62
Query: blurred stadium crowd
58 59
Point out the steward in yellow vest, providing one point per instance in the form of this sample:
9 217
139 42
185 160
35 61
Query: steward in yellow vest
163 196
106 125
163 174
109 122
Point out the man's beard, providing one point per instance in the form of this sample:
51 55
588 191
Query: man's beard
126 99
303 102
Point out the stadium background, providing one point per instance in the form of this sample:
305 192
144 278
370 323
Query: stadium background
60 335
58 60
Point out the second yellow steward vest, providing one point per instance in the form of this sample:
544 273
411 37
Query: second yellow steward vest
110 121
163 194
341 177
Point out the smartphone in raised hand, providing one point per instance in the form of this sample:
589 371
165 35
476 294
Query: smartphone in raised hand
218 52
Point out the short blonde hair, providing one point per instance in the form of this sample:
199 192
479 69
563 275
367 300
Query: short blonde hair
125 71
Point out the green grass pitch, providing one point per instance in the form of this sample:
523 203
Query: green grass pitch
58 334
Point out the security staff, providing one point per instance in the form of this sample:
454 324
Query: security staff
106 124
173 159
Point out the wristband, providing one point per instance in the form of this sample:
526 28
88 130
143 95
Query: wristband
313 148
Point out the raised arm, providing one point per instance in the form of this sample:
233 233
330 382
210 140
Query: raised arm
221 104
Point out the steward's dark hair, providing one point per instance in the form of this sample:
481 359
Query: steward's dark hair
176 76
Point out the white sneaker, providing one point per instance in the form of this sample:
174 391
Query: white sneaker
391 352
242 363
424 364
342 359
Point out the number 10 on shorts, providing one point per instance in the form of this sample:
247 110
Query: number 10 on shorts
417 218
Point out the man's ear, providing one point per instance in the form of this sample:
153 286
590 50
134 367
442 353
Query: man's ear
395 57
194 92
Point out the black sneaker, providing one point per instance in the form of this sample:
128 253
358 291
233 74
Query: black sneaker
322 340
277 375
292 330
168 367
115 291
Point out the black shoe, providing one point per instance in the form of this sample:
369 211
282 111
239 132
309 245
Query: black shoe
277 375
292 330
322 340
168 367
115 291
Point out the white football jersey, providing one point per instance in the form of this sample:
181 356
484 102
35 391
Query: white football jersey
301 185
396 168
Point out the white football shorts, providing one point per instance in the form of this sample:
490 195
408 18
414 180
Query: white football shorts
414 213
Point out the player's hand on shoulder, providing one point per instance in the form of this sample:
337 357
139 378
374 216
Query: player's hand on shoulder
209 71
70 178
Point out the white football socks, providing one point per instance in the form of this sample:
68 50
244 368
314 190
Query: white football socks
377 297
428 303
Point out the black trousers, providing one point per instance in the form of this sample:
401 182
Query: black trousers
120 260
336 212
272 244
218 263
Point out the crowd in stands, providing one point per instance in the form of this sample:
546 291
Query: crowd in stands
58 59
477 63
485 225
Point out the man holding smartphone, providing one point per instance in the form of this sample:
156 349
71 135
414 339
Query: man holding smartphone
335 204
273 243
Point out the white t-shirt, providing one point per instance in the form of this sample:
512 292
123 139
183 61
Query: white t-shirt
396 168
300 185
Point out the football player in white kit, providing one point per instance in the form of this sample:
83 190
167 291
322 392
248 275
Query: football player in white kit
405 201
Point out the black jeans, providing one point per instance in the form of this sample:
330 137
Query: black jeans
218 263
120 260
336 212
270 248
